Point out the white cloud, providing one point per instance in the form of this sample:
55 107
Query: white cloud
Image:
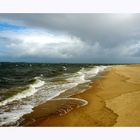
72 37
42 44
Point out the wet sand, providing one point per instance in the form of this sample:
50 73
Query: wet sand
113 100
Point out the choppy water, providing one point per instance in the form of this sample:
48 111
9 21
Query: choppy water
24 86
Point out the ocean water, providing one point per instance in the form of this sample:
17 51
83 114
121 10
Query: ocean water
24 86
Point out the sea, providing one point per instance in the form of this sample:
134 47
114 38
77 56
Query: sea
24 86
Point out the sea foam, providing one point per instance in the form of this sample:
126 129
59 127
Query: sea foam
84 75
39 92
33 88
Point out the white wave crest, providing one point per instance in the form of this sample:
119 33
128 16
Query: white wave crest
33 88
84 75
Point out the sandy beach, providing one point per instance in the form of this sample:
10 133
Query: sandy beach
113 100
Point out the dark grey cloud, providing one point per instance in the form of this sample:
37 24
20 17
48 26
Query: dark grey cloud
90 27
118 35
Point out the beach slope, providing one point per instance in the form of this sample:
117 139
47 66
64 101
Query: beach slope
113 100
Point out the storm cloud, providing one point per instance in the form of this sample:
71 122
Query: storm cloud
88 38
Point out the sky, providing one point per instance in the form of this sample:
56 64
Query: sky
70 38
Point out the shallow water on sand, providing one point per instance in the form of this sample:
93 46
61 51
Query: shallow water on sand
24 86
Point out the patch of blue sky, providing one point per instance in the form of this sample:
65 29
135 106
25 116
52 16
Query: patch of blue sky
13 27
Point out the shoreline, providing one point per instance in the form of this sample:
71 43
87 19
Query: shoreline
107 103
